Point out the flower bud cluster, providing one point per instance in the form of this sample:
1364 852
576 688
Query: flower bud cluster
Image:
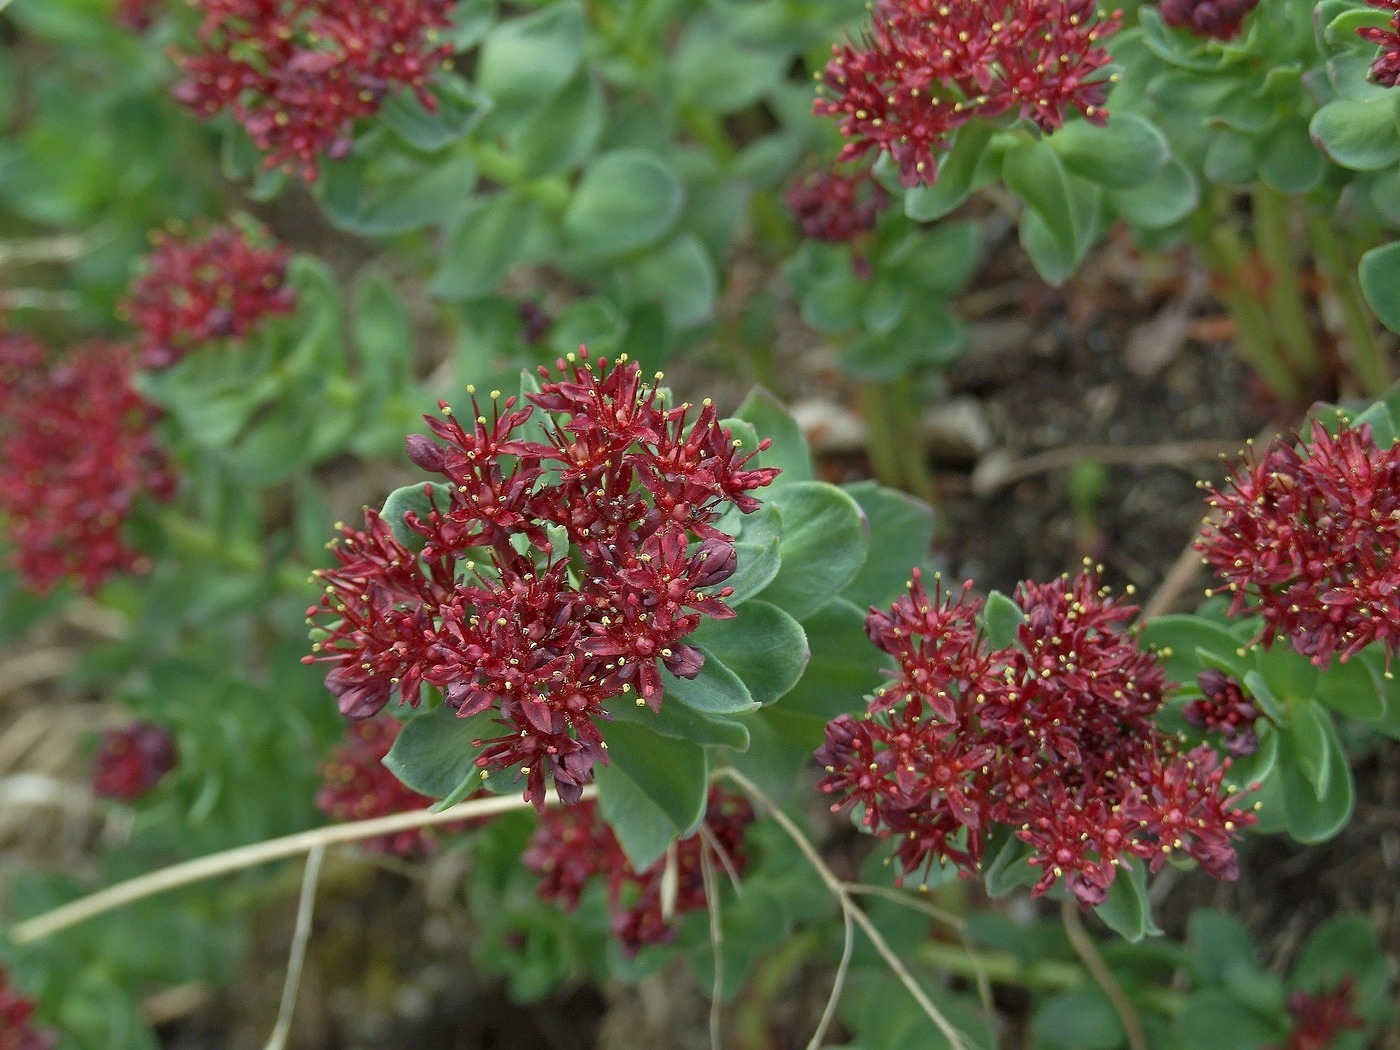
927 67
1385 69
356 785
77 450
130 760
196 289
17 1031
1050 736
1213 19
1223 708
298 74
1306 539
573 846
1319 1018
555 575
837 207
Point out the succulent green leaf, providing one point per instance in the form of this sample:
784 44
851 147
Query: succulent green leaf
1314 813
1380 279
788 449
421 498
1002 618
627 198
1081 1019
525 61
387 194
434 754
680 722
483 244
564 131
960 172
764 646
824 541
1126 154
1359 134
1355 688
1311 734
679 276
901 533
715 690
1181 638
759 551
1217 942
1164 200
652 791
1126 909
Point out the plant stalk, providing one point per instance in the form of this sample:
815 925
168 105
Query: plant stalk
1338 269
1284 292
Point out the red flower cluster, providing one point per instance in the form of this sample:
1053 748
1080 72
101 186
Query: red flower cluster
926 67
131 759
573 845
554 576
76 451
298 73
356 785
1051 736
137 15
16 1016
1223 708
196 289
1319 1019
835 206
1308 540
1385 70
1214 19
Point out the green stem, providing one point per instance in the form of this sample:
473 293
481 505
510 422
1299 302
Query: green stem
1284 294
881 435
1364 354
909 438
500 167
1215 237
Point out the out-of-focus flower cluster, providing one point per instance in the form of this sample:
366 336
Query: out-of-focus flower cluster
835 206
573 845
130 760
1223 708
1385 69
17 1031
1213 19
77 450
356 785
297 74
562 566
1051 736
927 67
1306 539
1320 1018
197 288
137 15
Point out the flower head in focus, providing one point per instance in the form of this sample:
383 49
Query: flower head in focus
563 563
17 1031
196 289
1050 736
927 67
130 760
574 846
356 785
77 451
1213 19
1308 538
298 75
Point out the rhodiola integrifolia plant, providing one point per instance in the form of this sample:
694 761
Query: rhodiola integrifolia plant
651 630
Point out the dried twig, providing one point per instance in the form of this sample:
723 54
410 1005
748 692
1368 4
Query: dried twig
296 955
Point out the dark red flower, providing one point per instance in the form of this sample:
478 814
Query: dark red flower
573 846
297 74
1307 540
137 15
1223 708
563 564
1319 1018
132 759
356 785
77 450
926 67
1385 69
1213 19
17 1031
199 288
1051 737
837 207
